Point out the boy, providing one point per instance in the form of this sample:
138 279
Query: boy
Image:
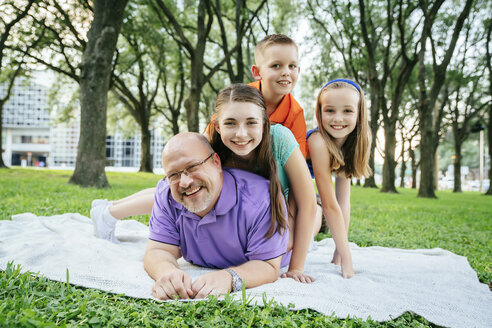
276 71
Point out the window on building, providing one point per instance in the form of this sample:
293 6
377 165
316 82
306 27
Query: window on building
26 139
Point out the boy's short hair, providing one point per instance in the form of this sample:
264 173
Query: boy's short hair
270 40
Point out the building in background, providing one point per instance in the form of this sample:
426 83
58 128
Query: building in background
26 125
31 139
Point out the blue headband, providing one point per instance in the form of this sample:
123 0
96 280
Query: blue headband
342 80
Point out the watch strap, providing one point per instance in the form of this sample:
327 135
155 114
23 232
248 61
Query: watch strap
237 281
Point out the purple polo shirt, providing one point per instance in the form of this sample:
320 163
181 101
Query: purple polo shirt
232 233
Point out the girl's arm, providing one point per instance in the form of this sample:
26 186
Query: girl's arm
302 191
342 191
332 209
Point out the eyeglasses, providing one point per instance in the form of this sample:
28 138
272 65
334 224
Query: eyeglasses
175 177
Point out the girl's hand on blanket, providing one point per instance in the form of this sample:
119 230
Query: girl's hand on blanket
337 259
171 284
347 269
213 283
298 276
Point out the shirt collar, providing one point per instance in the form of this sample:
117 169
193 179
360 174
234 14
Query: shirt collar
280 113
228 195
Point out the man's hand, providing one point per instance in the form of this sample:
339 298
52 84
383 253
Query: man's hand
214 283
298 276
171 284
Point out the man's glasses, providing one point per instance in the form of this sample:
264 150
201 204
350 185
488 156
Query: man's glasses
175 177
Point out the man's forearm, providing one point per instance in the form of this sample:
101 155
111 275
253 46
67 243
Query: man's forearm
255 273
157 262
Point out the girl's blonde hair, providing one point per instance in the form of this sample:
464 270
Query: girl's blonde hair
262 158
352 159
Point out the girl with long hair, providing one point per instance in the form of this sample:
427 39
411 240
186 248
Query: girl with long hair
244 139
340 146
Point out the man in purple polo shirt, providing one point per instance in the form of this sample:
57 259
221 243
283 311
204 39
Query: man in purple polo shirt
213 217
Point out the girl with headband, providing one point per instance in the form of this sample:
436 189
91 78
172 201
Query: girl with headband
340 146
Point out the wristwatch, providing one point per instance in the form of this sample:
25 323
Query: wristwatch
237 281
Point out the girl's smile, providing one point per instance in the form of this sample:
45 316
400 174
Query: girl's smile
338 127
241 143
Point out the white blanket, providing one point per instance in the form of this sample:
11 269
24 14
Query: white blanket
434 283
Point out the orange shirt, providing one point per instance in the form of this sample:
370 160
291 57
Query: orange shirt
288 113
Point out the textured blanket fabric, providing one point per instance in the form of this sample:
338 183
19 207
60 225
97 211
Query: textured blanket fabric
434 283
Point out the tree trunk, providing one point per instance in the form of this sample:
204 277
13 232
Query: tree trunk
2 164
175 124
402 173
96 68
371 182
457 167
389 158
145 156
429 124
196 55
426 121
489 130
489 133
413 161
192 103
192 106
426 155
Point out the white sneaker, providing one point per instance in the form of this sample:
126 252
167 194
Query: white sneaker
104 223
99 202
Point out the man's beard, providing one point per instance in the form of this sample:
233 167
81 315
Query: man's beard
197 208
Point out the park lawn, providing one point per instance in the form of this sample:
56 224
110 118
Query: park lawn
461 223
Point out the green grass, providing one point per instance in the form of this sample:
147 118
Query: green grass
461 223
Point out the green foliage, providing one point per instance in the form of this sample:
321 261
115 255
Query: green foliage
48 193
32 301
457 222
469 152
284 13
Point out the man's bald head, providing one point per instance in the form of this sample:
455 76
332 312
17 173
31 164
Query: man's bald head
185 141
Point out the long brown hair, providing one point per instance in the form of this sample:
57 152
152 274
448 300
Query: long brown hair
262 158
352 159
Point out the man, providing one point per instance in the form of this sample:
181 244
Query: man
213 217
